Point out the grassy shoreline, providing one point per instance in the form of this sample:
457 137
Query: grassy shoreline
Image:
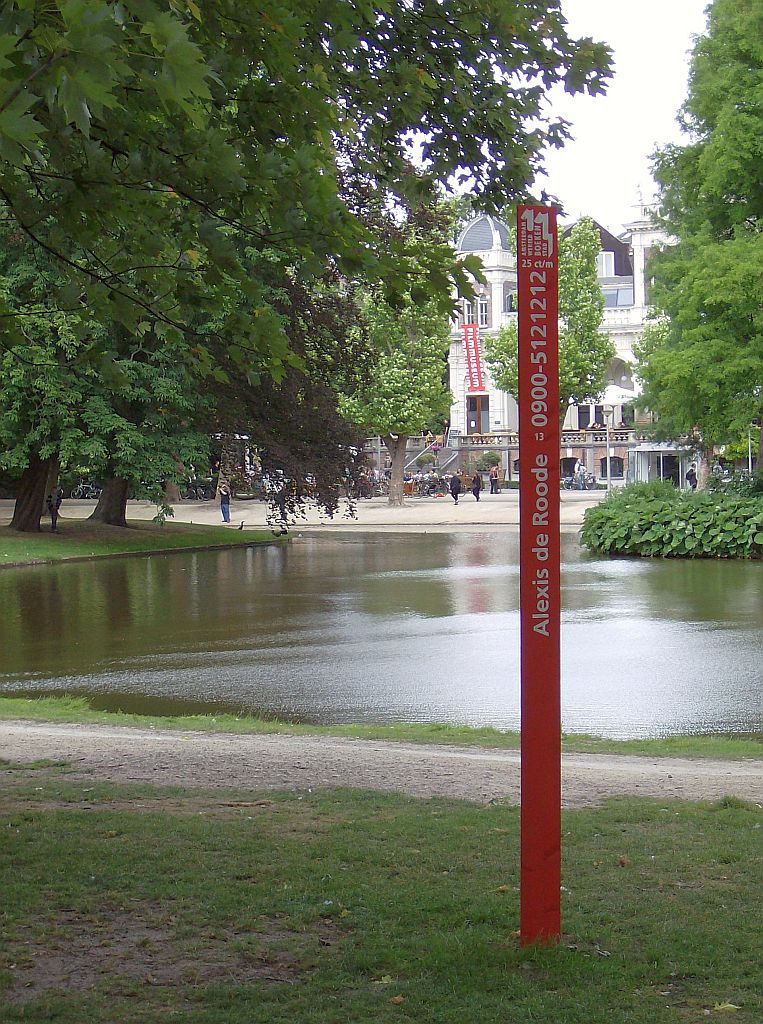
77 710
78 539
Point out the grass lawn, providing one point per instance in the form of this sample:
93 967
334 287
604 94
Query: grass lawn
77 538
77 709
146 905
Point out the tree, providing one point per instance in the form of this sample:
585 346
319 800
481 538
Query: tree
405 385
584 352
705 378
145 134
179 162
702 365
75 396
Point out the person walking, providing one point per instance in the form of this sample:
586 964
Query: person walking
225 502
455 487
476 485
53 502
494 479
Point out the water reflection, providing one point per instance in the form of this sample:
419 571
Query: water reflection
390 627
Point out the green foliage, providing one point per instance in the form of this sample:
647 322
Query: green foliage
702 365
741 484
404 388
487 459
145 145
584 352
703 374
102 401
656 520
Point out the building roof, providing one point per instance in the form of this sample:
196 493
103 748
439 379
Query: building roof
484 233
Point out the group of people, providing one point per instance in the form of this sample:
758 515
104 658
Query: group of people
457 488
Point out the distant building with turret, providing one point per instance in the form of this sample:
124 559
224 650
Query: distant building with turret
484 416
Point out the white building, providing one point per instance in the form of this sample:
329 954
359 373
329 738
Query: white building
483 415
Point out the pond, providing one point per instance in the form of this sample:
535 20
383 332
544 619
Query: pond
390 627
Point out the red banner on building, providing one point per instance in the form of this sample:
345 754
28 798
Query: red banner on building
540 874
474 375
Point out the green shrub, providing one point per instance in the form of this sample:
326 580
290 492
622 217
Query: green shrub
741 484
655 520
488 459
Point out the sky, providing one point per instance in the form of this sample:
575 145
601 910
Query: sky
602 171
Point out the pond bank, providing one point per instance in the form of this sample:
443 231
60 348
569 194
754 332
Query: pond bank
273 762
79 540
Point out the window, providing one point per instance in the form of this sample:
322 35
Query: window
484 320
477 414
605 264
468 312
617 466
618 298
584 416
509 303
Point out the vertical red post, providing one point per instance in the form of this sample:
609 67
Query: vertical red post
540 872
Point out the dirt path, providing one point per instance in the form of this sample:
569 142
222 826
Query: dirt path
214 761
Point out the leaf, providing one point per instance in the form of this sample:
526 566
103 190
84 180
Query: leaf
17 124
726 1007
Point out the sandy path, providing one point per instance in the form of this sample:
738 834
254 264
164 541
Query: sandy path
215 761
498 513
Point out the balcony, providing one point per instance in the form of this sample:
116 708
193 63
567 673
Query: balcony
508 440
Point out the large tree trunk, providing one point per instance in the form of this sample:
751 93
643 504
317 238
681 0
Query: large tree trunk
227 464
171 489
112 504
171 492
396 446
704 467
30 496
51 483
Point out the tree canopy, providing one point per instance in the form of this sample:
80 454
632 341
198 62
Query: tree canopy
137 137
703 371
405 386
185 166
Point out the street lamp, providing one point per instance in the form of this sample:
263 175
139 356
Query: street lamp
608 411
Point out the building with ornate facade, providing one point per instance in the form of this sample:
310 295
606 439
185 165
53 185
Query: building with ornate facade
483 417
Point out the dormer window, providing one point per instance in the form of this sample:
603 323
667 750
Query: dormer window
605 264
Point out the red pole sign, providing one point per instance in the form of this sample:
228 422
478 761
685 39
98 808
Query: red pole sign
540 873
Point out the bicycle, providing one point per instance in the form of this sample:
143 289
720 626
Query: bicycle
199 490
85 490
